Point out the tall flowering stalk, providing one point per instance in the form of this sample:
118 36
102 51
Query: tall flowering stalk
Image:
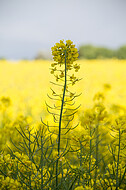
64 55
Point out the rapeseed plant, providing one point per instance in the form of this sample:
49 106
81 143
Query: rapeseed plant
64 56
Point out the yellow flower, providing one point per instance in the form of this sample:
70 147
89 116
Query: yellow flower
59 55
79 188
69 42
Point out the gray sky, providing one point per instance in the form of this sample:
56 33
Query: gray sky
28 26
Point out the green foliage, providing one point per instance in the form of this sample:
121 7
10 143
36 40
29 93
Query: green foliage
121 52
87 52
93 52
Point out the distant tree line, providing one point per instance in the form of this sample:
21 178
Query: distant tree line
93 52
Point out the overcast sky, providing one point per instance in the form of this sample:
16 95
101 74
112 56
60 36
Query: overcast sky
28 26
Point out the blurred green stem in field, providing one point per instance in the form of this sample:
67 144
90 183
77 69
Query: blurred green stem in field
60 120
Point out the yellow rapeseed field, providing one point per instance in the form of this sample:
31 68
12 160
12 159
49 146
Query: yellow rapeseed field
97 144
27 83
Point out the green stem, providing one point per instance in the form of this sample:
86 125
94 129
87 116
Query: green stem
90 157
60 120
80 153
117 180
97 156
41 163
29 147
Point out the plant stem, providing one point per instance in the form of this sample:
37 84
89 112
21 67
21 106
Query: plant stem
29 146
41 162
90 156
117 180
60 120
97 156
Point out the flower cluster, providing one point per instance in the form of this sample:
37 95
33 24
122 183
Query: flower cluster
19 166
9 183
65 52
60 50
